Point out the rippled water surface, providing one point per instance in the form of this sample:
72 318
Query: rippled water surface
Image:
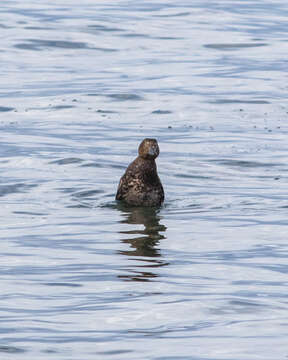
205 276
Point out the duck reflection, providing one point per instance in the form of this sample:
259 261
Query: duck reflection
144 245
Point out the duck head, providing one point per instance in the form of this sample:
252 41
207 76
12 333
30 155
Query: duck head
148 149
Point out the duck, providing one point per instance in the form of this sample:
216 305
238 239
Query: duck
140 185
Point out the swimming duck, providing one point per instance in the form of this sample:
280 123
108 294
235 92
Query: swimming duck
140 185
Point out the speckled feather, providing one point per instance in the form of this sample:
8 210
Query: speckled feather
140 185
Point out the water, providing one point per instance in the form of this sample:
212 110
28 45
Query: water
205 276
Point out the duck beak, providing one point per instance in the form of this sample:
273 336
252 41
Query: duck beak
152 151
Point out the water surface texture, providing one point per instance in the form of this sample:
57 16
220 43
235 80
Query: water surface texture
204 277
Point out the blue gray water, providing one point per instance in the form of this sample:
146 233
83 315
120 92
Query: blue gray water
204 277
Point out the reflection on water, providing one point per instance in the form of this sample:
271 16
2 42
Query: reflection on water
82 83
143 242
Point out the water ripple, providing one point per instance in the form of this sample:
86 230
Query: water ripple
85 276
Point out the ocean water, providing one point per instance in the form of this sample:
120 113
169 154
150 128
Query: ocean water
206 275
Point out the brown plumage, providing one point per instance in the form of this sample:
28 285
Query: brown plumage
140 185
